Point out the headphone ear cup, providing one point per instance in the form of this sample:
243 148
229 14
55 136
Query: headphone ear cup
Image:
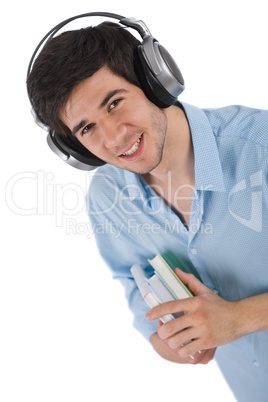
149 84
73 152
78 151
159 75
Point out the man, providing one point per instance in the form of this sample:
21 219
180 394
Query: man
191 184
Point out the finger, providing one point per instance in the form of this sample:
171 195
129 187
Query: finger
176 306
194 284
181 339
159 324
174 327
201 358
191 349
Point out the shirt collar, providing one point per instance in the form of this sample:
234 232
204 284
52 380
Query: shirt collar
135 185
208 171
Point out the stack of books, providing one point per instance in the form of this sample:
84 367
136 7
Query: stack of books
163 286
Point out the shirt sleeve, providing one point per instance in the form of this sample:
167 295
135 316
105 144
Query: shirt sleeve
119 249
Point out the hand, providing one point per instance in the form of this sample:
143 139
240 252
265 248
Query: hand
208 320
162 348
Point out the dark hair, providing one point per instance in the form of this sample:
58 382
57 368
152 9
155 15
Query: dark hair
69 58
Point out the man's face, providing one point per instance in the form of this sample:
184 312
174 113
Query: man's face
115 121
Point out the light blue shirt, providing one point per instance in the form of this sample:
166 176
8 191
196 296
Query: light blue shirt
226 244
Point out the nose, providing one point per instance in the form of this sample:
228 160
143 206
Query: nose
114 134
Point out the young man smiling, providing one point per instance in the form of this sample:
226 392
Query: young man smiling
191 184
114 120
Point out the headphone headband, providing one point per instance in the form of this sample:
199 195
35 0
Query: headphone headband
159 76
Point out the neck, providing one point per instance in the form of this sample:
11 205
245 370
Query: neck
174 179
178 156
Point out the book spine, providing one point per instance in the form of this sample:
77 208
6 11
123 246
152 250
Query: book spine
170 279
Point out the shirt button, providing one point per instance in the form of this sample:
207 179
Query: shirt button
256 364
193 251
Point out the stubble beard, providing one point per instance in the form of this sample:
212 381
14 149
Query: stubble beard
159 126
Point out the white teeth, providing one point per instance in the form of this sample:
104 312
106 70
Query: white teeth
133 149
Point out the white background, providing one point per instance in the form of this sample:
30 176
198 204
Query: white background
62 337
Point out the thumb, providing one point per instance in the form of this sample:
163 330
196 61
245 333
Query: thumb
194 284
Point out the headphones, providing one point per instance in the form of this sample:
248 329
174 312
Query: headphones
157 72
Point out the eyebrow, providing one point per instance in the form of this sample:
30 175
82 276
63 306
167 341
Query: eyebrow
109 95
105 100
78 127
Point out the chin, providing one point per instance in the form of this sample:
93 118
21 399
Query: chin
143 170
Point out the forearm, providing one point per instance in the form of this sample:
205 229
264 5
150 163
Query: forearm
252 314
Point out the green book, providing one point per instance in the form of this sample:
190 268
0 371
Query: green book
169 278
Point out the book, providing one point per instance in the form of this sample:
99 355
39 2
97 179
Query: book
163 286
178 289
150 297
160 289
162 292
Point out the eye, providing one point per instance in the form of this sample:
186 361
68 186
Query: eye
87 128
114 104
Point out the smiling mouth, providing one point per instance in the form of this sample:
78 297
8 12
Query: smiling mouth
134 148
